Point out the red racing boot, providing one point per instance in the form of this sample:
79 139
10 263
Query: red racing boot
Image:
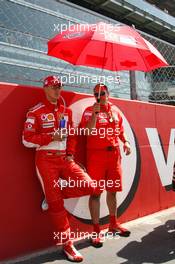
97 238
71 252
116 228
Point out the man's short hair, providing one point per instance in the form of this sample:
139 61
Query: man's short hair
102 87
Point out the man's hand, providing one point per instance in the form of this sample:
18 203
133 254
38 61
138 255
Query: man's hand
59 135
69 158
96 108
127 148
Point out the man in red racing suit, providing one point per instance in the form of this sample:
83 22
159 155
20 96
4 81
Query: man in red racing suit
104 128
46 129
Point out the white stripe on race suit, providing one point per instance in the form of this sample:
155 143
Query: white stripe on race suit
44 204
40 179
54 145
29 144
36 107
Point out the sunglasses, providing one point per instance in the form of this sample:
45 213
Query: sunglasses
55 87
101 94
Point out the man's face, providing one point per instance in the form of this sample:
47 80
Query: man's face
103 95
53 92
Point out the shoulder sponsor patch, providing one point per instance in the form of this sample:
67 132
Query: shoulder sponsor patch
29 127
30 120
88 113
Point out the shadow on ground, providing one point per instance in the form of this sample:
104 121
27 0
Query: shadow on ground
53 256
157 246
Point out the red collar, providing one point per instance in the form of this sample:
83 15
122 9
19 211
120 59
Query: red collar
51 106
106 107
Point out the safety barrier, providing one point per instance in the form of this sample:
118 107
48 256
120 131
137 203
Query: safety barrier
147 172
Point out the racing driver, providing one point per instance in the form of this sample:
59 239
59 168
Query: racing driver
54 159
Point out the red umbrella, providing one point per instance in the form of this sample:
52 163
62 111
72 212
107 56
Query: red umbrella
106 46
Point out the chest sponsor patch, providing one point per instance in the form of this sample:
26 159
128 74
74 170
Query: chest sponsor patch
102 115
103 121
48 125
43 117
50 117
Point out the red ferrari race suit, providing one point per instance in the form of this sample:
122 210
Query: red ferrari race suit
51 164
103 153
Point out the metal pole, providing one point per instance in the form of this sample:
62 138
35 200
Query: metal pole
133 88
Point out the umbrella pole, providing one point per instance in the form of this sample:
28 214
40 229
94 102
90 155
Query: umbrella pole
98 99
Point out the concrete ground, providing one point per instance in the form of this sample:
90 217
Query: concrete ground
152 240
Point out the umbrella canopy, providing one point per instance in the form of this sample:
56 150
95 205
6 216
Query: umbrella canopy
106 46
